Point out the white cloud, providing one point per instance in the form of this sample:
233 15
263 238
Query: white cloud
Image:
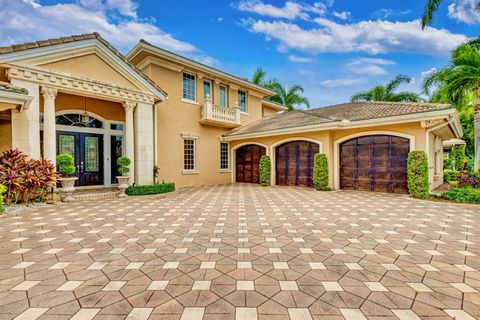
464 11
300 59
116 20
291 10
342 15
428 72
372 37
368 66
343 83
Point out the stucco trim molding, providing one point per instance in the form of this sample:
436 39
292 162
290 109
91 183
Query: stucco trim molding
273 176
336 150
233 158
75 85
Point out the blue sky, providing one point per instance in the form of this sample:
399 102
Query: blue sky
331 48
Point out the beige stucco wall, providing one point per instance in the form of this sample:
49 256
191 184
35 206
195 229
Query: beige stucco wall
5 134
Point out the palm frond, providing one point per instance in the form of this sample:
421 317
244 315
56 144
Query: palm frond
361 96
430 8
259 76
398 80
405 96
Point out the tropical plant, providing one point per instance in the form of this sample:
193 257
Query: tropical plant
386 92
320 172
417 174
450 175
65 164
3 189
264 170
431 7
123 165
156 169
26 180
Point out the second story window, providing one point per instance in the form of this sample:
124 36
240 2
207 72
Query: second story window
242 100
189 86
223 96
207 89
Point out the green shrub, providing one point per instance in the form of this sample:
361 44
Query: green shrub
264 168
450 175
123 165
3 189
447 163
467 195
320 172
417 171
458 157
150 189
66 164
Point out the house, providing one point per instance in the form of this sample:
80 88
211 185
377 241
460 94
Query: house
198 124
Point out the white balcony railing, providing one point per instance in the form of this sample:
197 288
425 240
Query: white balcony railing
221 116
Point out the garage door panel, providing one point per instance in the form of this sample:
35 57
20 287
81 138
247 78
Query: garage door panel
294 163
374 163
247 163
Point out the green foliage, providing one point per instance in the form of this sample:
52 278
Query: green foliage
466 195
386 93
156 188
417 171
65 164
467 122
123 165
264 170
450 175
430 8
26 180
320 172
447 163
156 169
3 189
458 158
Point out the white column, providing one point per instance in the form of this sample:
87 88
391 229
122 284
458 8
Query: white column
128 137
49 134
144 153
26 124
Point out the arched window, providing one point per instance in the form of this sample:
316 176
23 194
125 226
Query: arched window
78 120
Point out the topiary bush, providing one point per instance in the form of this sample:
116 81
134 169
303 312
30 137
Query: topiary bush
65 164
320 172
264 170
417 172
150 189
450 175
3 189
458 157
123 165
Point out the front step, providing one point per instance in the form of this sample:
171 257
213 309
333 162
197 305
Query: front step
95 195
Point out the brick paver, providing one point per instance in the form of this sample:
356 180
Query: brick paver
242 252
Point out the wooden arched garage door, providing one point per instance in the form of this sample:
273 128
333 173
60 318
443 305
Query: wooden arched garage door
374 163
294 163
247 159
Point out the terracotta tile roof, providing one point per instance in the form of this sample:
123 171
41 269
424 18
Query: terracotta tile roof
81 37
351 111
8 87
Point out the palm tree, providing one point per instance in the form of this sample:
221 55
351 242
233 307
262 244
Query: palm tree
258 77
460 82
430 8
290 98
386 93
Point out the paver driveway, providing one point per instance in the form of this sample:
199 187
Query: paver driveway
242 252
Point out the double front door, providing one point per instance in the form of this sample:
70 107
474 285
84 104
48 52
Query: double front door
87 151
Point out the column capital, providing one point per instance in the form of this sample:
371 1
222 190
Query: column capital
49 92
129 105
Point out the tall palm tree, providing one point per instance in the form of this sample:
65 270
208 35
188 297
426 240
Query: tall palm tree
431 7
460 81
258 77
386 93
290 98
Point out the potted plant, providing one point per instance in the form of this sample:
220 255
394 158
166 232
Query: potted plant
123 180
66 168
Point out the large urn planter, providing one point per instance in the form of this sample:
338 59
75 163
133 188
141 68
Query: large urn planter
68 186
123 182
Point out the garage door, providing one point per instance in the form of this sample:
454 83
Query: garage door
247 160
374 163
294 163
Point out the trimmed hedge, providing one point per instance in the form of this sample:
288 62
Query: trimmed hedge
417 171
464 195
150 189
320 172
450 175
264 170
458 157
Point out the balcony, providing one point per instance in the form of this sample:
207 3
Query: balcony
219 116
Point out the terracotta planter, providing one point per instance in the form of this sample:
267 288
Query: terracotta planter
68 186
123 182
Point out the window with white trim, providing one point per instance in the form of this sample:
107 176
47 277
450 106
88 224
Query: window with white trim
242 100
189 154
223 96
207 89
189 87
224 156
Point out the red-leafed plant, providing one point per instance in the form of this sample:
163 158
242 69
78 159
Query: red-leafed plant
26 180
